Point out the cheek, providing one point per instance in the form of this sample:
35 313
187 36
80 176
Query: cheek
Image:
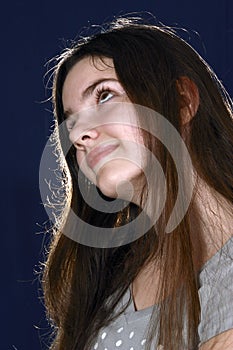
124 132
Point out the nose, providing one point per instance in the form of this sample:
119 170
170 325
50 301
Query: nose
84 139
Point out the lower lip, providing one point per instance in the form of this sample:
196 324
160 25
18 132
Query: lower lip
95 160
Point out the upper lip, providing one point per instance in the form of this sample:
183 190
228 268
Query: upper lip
98 152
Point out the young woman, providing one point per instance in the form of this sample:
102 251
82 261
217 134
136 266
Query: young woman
129 98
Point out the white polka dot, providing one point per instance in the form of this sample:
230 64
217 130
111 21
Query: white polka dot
96 346
131 335
103 335
120 330
119 343
143 341
131 348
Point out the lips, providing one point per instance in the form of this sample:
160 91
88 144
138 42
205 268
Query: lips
98 153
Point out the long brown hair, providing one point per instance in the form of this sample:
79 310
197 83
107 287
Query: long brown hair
82 285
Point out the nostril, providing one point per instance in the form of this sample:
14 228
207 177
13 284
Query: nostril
84 137
80 143
82 140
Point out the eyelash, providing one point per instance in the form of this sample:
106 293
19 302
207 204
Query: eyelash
100 91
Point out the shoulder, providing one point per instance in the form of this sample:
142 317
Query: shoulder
216 297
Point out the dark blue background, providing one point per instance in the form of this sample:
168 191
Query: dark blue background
32 33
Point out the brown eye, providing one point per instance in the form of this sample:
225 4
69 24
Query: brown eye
104 96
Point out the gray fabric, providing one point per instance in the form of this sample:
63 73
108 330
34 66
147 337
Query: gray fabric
128 332
216 293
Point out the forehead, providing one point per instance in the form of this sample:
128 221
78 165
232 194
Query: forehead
89 68
95 63
84 73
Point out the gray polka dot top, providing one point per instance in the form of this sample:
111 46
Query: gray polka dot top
128 331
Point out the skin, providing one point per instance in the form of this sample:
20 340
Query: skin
108 142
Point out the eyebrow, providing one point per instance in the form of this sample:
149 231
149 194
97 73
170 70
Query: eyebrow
87 92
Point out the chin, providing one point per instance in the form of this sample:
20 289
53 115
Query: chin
107 185
114 183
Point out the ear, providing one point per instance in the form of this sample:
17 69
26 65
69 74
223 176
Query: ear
189 99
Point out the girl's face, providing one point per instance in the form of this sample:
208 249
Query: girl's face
103 127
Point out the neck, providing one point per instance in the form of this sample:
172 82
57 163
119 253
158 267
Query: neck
211 222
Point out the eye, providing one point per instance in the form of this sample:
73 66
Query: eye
103 95
70 122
